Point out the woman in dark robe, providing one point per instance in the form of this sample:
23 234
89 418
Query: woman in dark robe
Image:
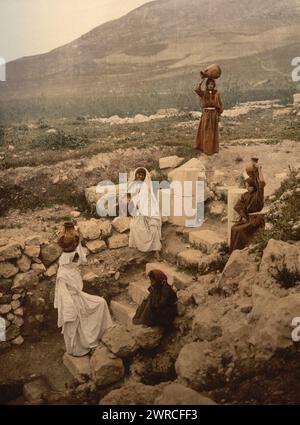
252 201
212 107
159 308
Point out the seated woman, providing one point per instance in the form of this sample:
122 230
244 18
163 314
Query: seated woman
145 227
83 317
252 201
159 308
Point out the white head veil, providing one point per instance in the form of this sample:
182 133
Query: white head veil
145 199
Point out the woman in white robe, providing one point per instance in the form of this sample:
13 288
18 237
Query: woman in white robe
145 227
84 318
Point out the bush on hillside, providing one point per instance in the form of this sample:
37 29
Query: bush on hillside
60 140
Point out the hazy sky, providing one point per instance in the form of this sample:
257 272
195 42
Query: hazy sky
30 27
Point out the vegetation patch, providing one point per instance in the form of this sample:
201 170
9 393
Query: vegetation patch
59 140
284 215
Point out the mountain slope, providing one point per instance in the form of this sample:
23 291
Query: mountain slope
161 43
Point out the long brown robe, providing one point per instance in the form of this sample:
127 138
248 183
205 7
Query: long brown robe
243 233
208 131
159 308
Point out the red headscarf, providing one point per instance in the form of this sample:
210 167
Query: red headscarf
158 276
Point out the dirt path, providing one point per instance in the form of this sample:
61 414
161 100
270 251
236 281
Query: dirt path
43 357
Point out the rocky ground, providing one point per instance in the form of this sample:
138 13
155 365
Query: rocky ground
228 345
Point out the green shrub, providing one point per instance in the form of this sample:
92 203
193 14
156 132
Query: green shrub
283 220
60 140
43 124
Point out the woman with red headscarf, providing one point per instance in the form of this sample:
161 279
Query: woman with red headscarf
252 201
159 308
212 108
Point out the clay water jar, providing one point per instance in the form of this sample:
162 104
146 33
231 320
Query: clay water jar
213 71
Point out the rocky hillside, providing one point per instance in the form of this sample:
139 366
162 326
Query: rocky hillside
159 49
232 340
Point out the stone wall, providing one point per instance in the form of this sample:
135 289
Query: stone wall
28 269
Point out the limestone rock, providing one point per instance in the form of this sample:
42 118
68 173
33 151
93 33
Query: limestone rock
19 311
212 263
8 270
75 214
193 259
86 251
195 115
15 304
176 394
190 258
35 240
240 273
132 394
79 367
24 264
138 291
50 253
4 241
96 246
194 294
106 228
90 277
25 280
296 97
106 367
245 305
90 229
32 251
118 241
206 324
38 268
51 271
170 162
280 263
146 337
274 328
120 341
10 252
10 317
122 311
12 332
206 240
194 163
5 308
18 321
121 224
34 390
17 341
198 365
263 301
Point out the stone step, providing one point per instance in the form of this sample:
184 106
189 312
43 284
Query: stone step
79 367
206 240
123 311
178 279
190 259
138 291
